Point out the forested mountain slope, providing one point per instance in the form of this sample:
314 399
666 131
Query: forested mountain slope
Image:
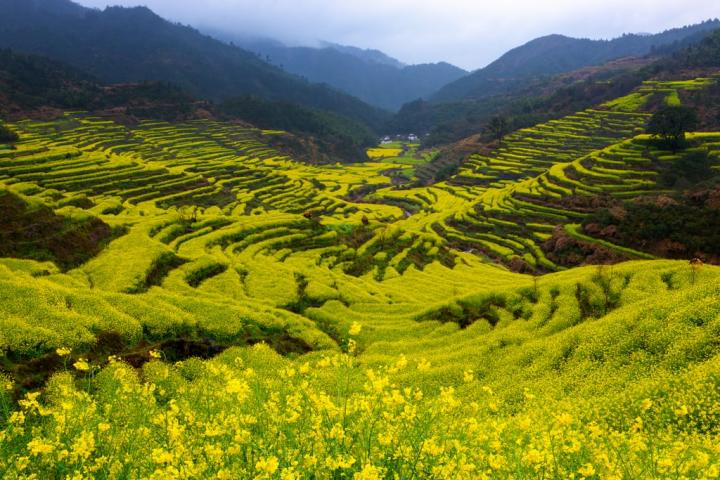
375 79
120 45
556 54
35 87
542 99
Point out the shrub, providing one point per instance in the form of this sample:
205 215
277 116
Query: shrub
7 135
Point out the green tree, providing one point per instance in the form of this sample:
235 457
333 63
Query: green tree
689 170
671 124
498 127
7 135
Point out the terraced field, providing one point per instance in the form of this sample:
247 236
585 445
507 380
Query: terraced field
503 206
391 340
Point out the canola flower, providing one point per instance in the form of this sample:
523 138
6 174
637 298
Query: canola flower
333 418
267 466
63 351
355 328
81 365
424 365
375 153
435 411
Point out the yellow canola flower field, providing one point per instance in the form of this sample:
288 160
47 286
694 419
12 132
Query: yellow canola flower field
384 152
353 326
331 418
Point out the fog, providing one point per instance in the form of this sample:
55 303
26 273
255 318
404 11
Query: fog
468 33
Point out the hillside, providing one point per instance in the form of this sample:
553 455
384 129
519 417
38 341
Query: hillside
545 99
556 54
365 54
250 309
130 45
36 87
322 137
194 289
369 75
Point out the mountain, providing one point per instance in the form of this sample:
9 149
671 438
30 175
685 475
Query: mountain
540 98
32 85
367 54
370 75
119 45
57 7
37 87
321 137
462 126
556 54
703 54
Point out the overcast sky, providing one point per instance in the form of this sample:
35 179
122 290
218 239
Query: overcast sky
468 33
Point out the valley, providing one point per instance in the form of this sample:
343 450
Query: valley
224 242
251 287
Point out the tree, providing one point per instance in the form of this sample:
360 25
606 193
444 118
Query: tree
7 135
498 127
188 214
690 169
671 124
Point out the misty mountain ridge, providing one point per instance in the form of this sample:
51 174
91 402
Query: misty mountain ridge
368 54
370 75
386 82
554 54
126 45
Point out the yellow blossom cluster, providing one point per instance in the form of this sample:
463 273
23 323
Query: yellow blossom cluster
250 413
